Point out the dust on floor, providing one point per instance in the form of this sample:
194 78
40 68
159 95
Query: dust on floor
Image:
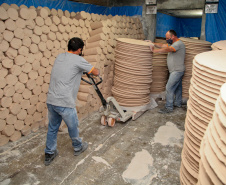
141 152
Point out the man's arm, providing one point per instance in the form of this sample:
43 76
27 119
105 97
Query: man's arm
160 45
95 72
162 49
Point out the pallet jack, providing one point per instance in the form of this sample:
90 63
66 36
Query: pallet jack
110 110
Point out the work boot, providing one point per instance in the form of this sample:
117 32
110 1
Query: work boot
49 157
177 106
165 111
84 147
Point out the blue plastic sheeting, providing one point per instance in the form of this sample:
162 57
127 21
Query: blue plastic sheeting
165 23
77 7
216 24
190 27
126 10
184 27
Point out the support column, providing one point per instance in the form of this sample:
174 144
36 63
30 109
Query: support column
203 33
149 24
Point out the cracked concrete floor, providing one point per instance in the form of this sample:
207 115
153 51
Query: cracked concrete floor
141 152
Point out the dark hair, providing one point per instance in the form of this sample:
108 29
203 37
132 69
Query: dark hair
75 43
172 32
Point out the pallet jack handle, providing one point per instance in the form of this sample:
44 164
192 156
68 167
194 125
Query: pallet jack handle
95 85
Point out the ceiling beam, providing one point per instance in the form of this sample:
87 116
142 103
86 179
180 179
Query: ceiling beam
95 2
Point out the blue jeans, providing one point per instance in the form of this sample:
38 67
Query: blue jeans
174 90
56 114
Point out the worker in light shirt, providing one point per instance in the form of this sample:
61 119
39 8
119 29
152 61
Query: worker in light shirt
64 84
175 62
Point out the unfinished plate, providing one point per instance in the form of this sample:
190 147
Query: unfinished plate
220 45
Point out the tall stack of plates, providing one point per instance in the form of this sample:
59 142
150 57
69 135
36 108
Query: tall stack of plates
212 167
133 72
193 47
160 40
209 74
219 45
160 73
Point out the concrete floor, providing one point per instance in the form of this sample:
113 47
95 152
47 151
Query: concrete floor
141 152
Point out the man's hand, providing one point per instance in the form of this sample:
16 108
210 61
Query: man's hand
152 47
95 72
147 41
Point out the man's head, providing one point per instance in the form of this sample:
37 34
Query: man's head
75 45
171 36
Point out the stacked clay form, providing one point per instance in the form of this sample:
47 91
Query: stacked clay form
30 40
99 51
193 47
160 71
212 164
24 70
208 75
133 72
100 47
160 40
220 45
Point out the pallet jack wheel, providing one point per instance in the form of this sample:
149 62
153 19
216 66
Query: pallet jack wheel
111 122
103 120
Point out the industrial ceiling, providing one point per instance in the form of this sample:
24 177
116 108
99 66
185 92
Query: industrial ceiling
177 8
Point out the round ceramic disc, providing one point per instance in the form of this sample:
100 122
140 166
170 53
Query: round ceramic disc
195 41
223 92
221 45
207 58
133 41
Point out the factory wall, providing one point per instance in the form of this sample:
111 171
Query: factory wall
185 27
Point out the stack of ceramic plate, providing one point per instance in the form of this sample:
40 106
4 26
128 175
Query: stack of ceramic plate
209 74
212 167
193 47
133 72
160 40
219 45
160 73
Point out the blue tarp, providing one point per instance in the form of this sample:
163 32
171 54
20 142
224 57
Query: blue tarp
215 28
164 23
216 24
184 27
126 10
77 7
190 27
